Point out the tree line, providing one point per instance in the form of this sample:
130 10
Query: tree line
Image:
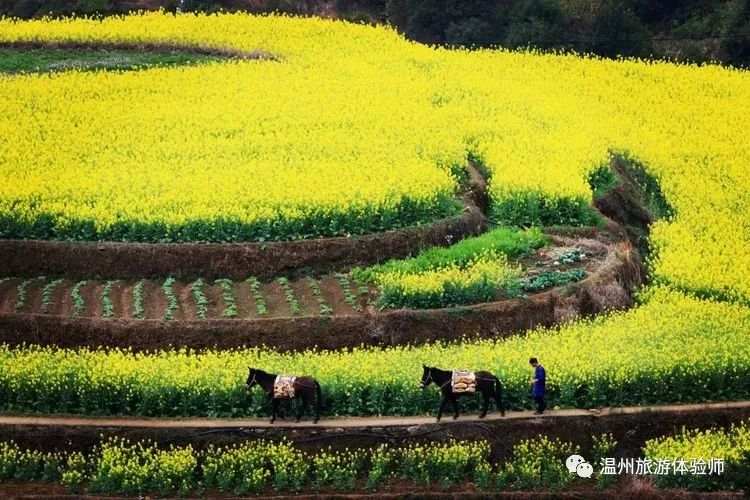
686 30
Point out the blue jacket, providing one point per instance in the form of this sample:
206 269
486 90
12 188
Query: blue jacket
541 381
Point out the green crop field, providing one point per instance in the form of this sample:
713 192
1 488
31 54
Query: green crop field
182 139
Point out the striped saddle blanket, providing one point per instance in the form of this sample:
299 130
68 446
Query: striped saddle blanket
463 381
283 387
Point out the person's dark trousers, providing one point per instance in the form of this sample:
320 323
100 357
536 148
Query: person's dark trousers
541 404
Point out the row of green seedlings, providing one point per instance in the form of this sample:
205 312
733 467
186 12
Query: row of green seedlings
552 279
227 286
118 466
354 299
139 300
227 295
324 308
198 292
172 302
260 302
199 297
108 307
291 298
79 302
22 292
48 293
202 303
230 302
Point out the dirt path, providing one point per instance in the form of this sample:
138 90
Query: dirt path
630 427
351 422
396 491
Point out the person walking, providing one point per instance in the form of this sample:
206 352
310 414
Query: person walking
538 385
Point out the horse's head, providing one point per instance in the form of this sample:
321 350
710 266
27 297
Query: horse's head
251 378
426 376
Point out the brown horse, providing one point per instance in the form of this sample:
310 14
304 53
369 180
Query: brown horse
305 388
487 384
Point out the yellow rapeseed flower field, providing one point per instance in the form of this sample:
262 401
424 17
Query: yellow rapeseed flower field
353 129
673 349
479 280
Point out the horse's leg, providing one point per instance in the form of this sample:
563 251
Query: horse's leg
274 409
269 397
318 403
302 407
499 397
454 402
443 404
485 404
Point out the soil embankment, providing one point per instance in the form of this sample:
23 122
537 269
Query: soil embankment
612 280
630 426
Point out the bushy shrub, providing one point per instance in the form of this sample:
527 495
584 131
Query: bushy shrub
28 465
535 23
241 469
76 472
537 463
481 280
530 208
511 242
473 270
338 470
118 466
736 40
731 445
658 11
550 279
444 463
253 466
617 31
451 21
121 467
603 447
382 464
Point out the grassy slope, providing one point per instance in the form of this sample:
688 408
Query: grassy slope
43 60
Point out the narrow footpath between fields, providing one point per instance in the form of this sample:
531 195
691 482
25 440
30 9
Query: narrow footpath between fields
353 422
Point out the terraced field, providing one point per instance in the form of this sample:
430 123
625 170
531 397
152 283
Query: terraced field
170 299
324 198
200 299
392 130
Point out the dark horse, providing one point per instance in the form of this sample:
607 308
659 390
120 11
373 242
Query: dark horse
305 388
488 384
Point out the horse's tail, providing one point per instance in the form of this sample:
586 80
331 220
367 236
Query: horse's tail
499 396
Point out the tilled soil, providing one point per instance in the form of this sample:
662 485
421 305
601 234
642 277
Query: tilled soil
155 300
8 295
614 273
394 490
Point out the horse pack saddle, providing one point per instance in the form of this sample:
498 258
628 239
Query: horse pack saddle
463 381
283 387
